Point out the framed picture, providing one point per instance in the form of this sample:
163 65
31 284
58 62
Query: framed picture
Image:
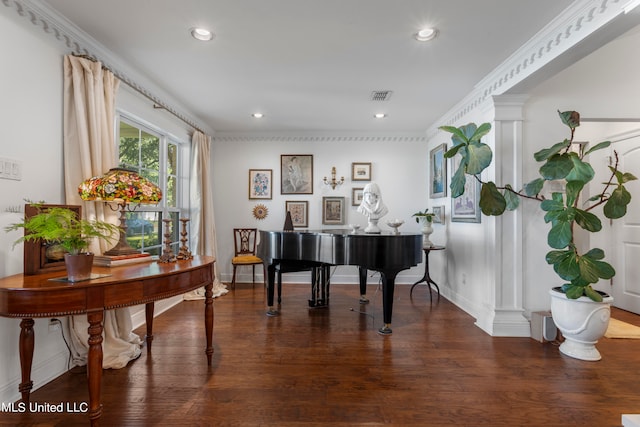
360 171
357 194
299 212
296 174
438 172
333 210
466 208
260 183
40 256
439 214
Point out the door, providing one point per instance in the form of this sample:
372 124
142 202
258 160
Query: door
625 232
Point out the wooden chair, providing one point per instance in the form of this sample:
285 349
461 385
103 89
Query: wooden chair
245 240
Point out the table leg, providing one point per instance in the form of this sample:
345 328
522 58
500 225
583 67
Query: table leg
148 313
94 364
208 320
26 345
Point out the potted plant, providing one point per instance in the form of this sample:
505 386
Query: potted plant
564 211
426 218
62 226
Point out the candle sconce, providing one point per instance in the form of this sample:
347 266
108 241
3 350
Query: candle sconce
333 183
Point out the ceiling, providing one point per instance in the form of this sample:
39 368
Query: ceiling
311 65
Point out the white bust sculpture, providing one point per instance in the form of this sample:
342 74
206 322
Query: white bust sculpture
372 207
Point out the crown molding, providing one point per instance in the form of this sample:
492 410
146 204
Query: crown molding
78 42
580 20
317 138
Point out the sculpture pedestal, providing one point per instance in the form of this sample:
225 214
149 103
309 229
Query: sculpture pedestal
372 228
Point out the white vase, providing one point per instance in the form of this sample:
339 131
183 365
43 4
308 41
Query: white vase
582 322
427 229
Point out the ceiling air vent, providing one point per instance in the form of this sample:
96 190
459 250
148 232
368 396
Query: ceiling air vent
381 95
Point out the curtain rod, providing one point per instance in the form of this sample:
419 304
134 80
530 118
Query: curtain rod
157 103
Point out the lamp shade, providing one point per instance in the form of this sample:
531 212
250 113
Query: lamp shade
121 186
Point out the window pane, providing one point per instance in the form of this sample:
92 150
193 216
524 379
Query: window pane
150 152
170 195
129 156
172 159
142 230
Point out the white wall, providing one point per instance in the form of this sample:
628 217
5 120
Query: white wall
399 166
31 89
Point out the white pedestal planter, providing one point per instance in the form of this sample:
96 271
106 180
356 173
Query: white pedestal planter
582 322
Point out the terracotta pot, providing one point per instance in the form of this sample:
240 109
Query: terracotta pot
78 266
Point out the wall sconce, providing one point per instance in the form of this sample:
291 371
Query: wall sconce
333 183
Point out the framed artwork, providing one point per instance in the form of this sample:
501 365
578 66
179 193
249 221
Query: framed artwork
296 174
439 214
299 212
360 171
333 210
466 208
357 194
438 172
40 256
260 183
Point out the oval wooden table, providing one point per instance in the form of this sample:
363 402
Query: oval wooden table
49 295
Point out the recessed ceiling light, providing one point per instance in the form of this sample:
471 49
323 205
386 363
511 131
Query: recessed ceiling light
426 34
380 115
201 34
257 115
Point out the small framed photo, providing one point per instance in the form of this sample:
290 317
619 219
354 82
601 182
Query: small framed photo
360 171
357 194
299 212
296 174
333 210
438 172
260 183
466 208
439 214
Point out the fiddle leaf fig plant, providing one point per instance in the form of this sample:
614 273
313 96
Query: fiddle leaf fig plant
564 210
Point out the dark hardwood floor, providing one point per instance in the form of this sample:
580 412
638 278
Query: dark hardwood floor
317 367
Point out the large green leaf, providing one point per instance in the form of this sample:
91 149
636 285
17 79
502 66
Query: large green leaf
546 153
556 203
479 157
491 200
457 133
591 293
512 199
616 206
453 151
581 171
560 234
593 270
564 263
570 118
480 132
458 181
573 291
573 189
587 220
599 146
534 187
557 166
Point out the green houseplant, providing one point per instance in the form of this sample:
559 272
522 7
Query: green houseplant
426 218
62 226
565 210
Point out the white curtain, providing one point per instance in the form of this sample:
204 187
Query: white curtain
89 150
203 232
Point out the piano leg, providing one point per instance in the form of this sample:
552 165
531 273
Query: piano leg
362 273
271 276
388 286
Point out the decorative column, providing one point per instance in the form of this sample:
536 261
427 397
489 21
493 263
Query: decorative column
504 312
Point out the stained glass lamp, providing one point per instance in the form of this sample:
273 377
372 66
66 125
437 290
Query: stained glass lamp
123 187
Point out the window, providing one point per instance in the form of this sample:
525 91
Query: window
157 157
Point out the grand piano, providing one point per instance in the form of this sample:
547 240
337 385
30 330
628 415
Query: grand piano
386 253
